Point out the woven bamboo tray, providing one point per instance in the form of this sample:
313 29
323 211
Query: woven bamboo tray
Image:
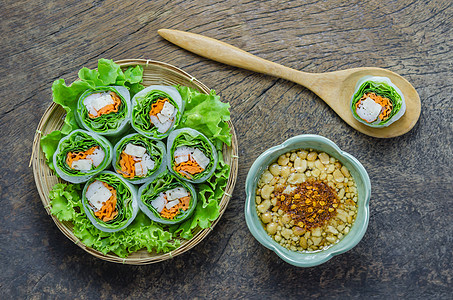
154 73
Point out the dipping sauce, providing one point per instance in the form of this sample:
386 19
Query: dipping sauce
306 200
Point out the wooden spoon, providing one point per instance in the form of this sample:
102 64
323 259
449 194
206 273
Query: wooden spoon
335 88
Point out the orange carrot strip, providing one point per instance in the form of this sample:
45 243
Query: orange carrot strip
127 164
108 211
74 156
172 212
190 166
157 106
185 201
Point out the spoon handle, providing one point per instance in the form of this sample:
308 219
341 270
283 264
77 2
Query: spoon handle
230 55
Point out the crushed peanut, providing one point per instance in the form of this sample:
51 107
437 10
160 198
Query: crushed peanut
307 207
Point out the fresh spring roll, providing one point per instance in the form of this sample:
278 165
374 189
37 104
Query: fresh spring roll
81 155
156 111
166 199
137 157
190 155
377 102
110 202
104 110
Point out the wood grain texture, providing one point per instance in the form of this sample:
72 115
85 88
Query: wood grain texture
406 252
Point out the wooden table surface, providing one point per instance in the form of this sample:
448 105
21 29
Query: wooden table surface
406 252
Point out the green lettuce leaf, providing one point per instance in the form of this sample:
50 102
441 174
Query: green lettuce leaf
134 75
63 197
135 88
67 97
49 144
206 113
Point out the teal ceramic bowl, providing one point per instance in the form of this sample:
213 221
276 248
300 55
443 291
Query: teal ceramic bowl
316 142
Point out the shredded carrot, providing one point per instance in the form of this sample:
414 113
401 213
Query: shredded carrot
185 202
108 108
127 164
74 156
157 106
190 166
108 211
174 211
384 102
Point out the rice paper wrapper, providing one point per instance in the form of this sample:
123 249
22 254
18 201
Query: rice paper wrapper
127 202
384 87
162 182
155 149
191 138
141 106
111 124
80 140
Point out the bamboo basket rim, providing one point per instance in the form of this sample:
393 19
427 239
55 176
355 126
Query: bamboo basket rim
45 179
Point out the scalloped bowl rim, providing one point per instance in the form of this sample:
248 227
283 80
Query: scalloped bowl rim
306 141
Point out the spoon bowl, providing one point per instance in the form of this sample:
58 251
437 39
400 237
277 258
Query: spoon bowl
335 88
344 86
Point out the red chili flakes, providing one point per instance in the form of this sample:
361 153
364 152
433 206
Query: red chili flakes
310 205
